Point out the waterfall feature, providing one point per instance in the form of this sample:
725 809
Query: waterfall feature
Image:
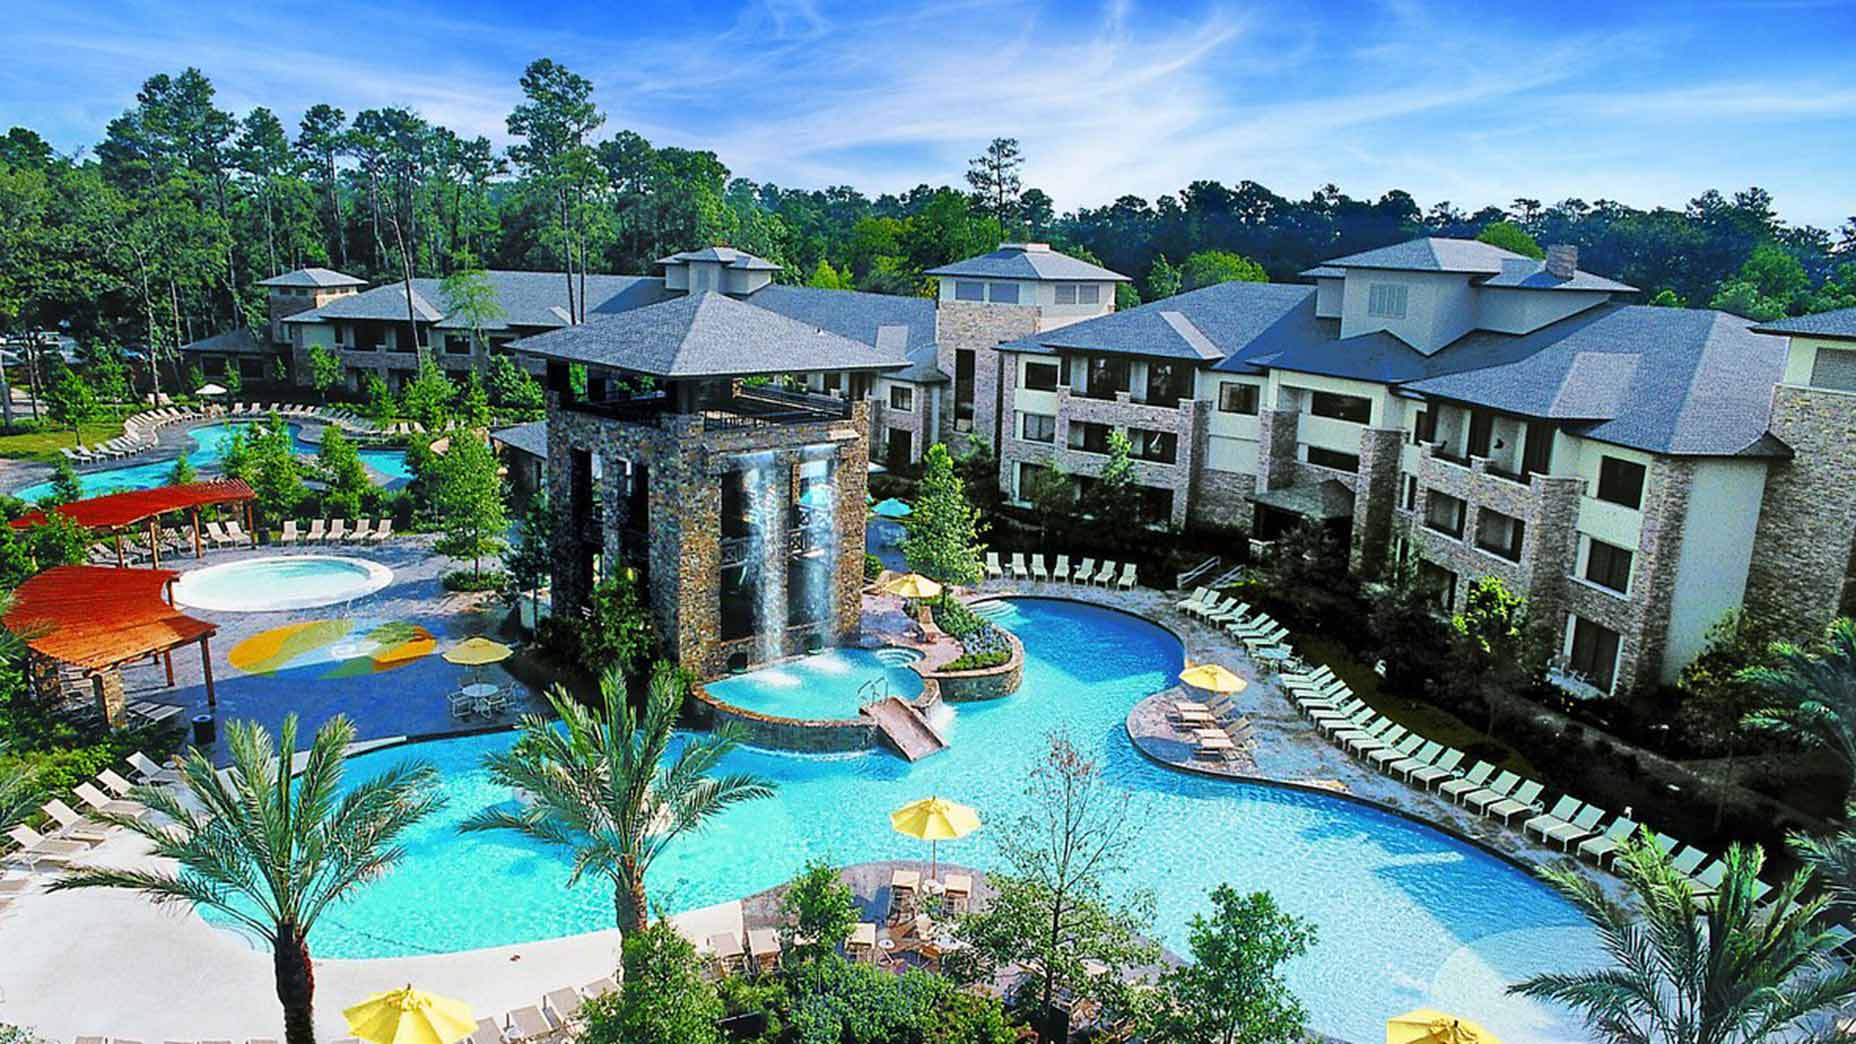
819 511
762 505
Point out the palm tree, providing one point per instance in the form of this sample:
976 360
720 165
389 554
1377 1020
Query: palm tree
1692 970
1813 693
606 787
19 791
267 852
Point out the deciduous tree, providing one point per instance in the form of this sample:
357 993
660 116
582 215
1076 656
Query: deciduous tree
942 540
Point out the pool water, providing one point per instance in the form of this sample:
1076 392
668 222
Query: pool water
1407 916
825 686
280 582
209 446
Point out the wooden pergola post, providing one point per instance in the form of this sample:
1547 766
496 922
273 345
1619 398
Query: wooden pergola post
251 523
167 659
206 664
154 542
198 550
121 562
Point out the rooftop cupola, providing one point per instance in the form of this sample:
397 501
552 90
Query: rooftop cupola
717 269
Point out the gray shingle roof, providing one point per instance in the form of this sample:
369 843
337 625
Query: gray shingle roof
530 438
1213 322
1840 323
1015 261
859 316
528 299
1529 274
727 256
705 335
1435 254
923 367
1324 272
242 341
313 277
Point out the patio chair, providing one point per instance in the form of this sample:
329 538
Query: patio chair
764 948
1472 780
1581 826
1480 799
729 956
318 529
1039 571
1084 570
1344 710
1194 600
1320 674
1018 568
1258 642
338 531
1561 814
291 534
35 848
1442 769
487 1032
1105 575
599 988
101 802
1356 717
904 886
526 1024
382 532
1213 605
1128 580
148 771
216 534
1368 725
861 946
958 890
1363 747
73 827
1604 848
1687 861
461 704
238 534
152 712
1061 571
993 570
560 1006
362 532
1426 754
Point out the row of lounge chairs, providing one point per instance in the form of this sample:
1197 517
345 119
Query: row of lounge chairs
1260 635
1106 574
73 834
173 541
337 531
1574 826
141 431
1220 731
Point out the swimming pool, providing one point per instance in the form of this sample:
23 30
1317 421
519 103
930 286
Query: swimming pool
209 445
821 687
1408 916
280 582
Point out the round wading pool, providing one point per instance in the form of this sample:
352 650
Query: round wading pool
280 582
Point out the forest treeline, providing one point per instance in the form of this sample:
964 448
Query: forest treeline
160 232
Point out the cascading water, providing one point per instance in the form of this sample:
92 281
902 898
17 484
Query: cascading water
766 552
820 498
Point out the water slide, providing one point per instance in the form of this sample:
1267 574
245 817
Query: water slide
905 728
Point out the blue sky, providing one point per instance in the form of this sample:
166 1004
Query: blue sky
1647 103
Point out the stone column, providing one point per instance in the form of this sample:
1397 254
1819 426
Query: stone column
1653 581
1276 432
1552 545
1803 549
853 479
1374 497
111 702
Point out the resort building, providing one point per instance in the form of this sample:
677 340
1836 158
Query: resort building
739 503
1635 472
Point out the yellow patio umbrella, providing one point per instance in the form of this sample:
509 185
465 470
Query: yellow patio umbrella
409 1016
934 820
477 652
914 585
1425 1026
1213 677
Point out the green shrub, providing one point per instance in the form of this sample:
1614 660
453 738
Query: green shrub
838 1001
956 618
465 580
665 999
873 566
978 661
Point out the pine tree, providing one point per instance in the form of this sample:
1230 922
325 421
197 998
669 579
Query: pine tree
468 497
942 541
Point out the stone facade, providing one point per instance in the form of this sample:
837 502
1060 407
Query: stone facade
980 327
1185 421
883 419
1221 499
683 462
1276 461
1375 491
1803 555
986 683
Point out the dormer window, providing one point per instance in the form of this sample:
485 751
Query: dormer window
965 290
1078 293
1386 300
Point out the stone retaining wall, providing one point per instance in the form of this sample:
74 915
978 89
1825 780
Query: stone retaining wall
986 683
806 736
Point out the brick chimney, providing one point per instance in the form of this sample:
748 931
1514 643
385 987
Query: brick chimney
1562 260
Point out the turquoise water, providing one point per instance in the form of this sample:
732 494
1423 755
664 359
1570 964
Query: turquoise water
295 582
1407 916
829 685
209 444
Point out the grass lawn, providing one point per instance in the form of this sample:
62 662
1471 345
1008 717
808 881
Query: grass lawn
1416 715
43 445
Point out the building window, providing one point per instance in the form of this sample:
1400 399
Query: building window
1500 534
902 398
969 291
1002 293
1161 447
1594 652
1107 376
1165 384
1537 451
1041 376
1620 482
1089 437
1328 458
457 344
1089 293
963 389
1834 368
1386 300
1028 479
1481 432
1445 514
1424 427
1237 397
1352 408
1037 427
1411 492
1066 293
1156 505
1608 565
1440 582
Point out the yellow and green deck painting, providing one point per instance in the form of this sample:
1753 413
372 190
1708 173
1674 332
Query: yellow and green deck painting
350 647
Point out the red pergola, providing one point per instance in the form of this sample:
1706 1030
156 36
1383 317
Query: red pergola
96 618
119 511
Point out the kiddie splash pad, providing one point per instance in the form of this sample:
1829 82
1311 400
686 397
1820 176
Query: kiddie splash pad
280 582
349 647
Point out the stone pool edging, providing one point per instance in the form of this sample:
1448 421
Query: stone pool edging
801 735
981 683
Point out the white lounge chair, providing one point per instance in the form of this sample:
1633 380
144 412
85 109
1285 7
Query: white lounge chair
1580 827
35 848
1443 769
384 531
338 530
238 534
317 530
1019 570
1524 800
291 534
101 802
1061 571
994 571
1039 571
362 532
1473 780
216 535
1105 575
73 827
148 771
1193 601
1085 571
1504 785
1128 578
